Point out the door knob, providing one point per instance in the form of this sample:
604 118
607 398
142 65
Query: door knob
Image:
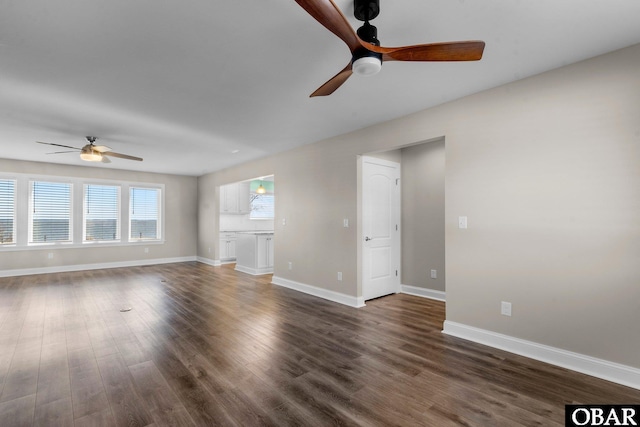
366 239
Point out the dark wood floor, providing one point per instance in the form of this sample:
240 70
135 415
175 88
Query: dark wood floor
209 346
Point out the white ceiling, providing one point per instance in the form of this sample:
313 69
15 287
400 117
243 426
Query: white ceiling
184 84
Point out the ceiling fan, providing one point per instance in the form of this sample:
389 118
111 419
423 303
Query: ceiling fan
92 152
366 53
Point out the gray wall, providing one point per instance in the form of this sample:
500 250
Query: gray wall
423 230
180 218
547 169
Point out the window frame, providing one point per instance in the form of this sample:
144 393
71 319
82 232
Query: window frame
255 196
159 218
85 188
14 216
31 211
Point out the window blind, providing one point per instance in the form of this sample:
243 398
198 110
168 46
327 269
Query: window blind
101 213
7 211
50 212
144 218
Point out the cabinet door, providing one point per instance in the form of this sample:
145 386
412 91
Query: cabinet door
231 249
224 249
229 199
262 255
270 255
244 205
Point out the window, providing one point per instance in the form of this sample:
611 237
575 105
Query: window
262 199
144 213
73 212
7 212
50 212
101 213
262 206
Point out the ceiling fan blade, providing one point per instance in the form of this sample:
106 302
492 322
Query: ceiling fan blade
105 159
447 51
329 15
60 152
334 82
58 145
101 148
122 156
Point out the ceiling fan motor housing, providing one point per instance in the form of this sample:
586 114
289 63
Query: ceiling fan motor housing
366 10
364 61
369 33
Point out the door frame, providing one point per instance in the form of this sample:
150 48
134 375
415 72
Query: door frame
360 231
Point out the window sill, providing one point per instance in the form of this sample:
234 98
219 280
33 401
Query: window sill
84 245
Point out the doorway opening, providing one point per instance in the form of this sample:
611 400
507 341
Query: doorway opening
246 225
421 224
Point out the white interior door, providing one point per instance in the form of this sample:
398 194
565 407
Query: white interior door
380 227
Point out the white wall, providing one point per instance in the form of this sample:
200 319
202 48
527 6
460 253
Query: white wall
547 170
180 218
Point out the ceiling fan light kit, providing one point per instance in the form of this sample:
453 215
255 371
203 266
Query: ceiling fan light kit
366 53
367 65
90 156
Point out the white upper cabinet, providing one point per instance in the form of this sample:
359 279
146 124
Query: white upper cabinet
244 200
234 198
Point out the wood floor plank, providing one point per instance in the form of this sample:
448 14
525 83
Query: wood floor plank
206 345
18 412
53 380
127 407
101 418
87 390
22 378
161 402
55 413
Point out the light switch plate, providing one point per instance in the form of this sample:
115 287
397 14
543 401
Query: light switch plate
462 222
505 308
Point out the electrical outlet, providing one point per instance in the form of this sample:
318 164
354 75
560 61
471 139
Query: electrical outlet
290 265
284 221
505 308
434 274
209 250
50 255
340 275
146 250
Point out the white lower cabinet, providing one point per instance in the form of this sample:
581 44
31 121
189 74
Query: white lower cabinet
255 253
228 247
264 258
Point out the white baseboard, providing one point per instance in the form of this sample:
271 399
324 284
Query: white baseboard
211 262
253 271
338 297
610 371
98 266
423 292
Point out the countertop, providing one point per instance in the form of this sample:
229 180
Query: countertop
247 231
256 232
